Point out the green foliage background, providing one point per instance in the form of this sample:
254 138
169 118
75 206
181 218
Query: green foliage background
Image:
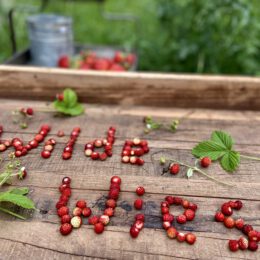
198 36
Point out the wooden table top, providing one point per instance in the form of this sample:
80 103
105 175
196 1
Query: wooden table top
39 238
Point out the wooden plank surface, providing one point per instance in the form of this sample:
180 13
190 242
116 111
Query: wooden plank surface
39 238
130 88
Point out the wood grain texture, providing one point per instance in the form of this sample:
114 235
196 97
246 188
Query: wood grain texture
38 237
129 88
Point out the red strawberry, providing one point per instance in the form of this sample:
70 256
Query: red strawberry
177 200
140 191
205 162
130 58
77 211
117 67
64 62
99 228
111 203
165 204
238 204
29 111
172 232
81 204
134 232
185 204
93 220
174 168
65 219
193 206
84 66
113 194
119 57
239 223
243 243
233 245
181 237
166 224
65 229
181 219
86 212
67 192
164 210
109 212
252 245
60 204
63 211
138 204
253 235
101 64
190 238
168 217
226 209
229 222
190 214
246 229
104 219
169 199
140 217
219 217
139 224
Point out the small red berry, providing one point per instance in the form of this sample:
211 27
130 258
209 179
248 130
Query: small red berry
233 245
253 235
33 143
63 187
177 200
165 210
66 180
104 219
190 238
190 214
60 133
246 229
239 223
205 162
77 211
185 204
238 204
166 224
103 156
66 155
243 243
60 97
169 199
29 111
138 204
116 180
174 168
226 209
2 147
139 161
65 219
45 154
181 237
140 217
109 212
165 204
134 232
81 204
76 221
64 198
172 232
113 194
181 219
63 211
67 192
219 217
65 229
111 203
229 222
60 204
168 217
93 220
86 212
252 246
140 191
139 224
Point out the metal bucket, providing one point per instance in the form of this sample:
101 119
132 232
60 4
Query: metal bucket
50 37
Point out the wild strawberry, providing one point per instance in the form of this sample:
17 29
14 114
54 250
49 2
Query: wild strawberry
246 229
168 217
140 217
111 203
174 168
190 214
45 154
177 200
172 232
77 211
60 204
136 141
60 132
190 238
232 204
109 212
193 206
130 58
86 212
66 180
113 194
103 156
166 224
2 147
99 228
205 162
165 204
219 217
125 159
81 204
63 211
119 57
94 155
239 223
243 243
134 232
169 199
101 64
63 187
181 219
65 219
139 224
252 245
140 191
93 220
65 229
67 192
116 180
76 221
165 210
253 235
181 237
138 204
233 245
238 204
229 222
64 62
104 219
185 204
226 209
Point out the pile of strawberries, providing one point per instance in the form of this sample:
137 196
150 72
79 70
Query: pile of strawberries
242 243
131 155
88 60
106 143
188 215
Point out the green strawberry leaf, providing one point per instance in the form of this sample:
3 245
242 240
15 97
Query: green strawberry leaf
230 161
17 199
223 139
19 191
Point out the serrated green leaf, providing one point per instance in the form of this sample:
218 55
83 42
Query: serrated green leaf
189 173
223 139
209 149
70 97
20 191
230 161
17 199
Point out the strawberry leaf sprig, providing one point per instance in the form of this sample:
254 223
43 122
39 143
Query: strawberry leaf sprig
67 103
190 169
151 124
220 148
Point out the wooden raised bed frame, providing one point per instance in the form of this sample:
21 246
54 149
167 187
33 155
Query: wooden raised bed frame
132 96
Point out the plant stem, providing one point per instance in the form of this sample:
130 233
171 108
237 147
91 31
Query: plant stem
250 157
202 172
12 213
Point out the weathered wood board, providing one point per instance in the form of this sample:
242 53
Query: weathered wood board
39 237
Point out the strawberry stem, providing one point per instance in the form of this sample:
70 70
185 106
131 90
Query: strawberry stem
250 157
